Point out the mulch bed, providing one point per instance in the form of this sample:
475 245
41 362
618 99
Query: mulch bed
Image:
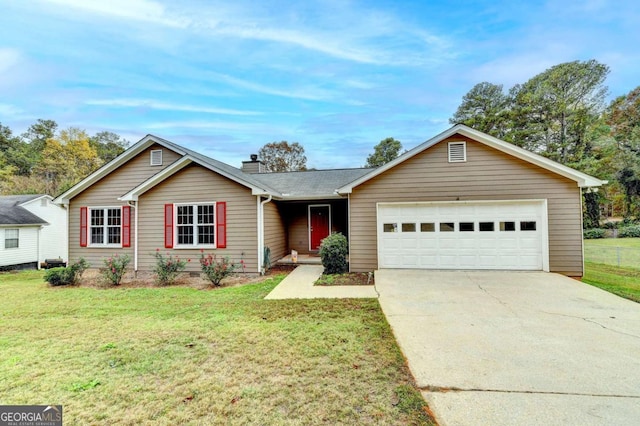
349 278
92 278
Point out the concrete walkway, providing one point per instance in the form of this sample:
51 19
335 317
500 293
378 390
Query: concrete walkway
299 285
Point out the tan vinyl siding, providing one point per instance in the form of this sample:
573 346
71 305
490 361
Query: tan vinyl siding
105 193
487 174
192 185
275 232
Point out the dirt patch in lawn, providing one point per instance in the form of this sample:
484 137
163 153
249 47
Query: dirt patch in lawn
349 278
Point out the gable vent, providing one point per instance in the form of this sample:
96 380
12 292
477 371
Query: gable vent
457 152
156 157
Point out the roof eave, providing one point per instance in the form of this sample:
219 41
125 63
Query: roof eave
180 164
112 165
583 180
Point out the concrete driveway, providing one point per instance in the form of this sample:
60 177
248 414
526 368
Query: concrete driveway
516 348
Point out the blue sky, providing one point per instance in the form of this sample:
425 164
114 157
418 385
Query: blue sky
337 76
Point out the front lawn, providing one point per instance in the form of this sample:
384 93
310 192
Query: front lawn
180 355
624 282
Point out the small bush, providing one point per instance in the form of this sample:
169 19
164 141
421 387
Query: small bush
333 253
610 225
631 231
214 269
167 268
114 268
594 233
66 275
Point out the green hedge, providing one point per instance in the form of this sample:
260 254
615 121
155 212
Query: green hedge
631 231
593 233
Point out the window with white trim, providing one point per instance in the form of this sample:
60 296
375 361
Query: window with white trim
457 152
195 225
11 238
105 226
156 157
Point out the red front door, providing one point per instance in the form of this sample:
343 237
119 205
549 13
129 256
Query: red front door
319 225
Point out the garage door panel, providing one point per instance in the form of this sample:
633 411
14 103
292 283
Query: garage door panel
493 235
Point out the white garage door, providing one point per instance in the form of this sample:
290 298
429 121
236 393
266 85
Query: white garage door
510 235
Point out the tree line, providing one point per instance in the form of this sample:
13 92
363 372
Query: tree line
45 160
561 114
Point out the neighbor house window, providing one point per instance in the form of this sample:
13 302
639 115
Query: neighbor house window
105 226
11 238
195 225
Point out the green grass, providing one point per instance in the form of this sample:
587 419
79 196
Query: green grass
179 355
624 252
624 282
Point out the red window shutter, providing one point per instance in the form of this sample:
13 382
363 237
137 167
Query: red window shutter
221 224
168 225
126 226
83 226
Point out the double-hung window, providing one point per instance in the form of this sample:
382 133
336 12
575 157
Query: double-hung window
195 225
11 238
105 226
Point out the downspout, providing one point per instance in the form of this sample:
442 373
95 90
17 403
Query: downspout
349 225
134 204
38 251
67 207
261 204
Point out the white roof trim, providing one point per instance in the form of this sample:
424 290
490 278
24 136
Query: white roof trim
583 180
176 167
112 165
36 199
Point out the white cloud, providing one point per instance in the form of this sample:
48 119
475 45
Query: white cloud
147 103
308 93
137 10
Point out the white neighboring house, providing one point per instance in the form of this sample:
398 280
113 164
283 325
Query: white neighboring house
32 229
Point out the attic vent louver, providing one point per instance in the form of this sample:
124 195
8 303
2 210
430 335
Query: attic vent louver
156 157
457 152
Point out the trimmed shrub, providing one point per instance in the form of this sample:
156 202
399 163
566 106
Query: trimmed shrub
66 275
114 268
610 225
333 253
594 233
167 268
631 231
214 269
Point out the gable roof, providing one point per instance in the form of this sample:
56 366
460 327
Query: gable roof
583 180
188 156
12 212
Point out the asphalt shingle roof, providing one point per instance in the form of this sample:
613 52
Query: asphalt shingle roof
311 183
288 185
12 214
